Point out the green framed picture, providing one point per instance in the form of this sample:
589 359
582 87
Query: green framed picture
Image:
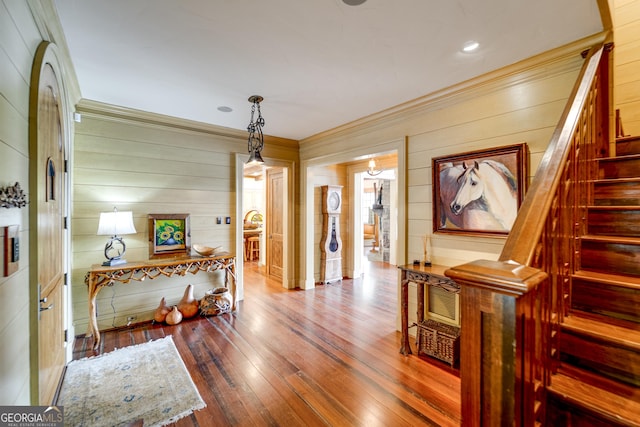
169 235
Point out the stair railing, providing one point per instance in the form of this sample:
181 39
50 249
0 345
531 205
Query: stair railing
511 309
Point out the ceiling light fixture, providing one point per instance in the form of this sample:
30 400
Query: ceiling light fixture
353 2
470 46
372 168
256 138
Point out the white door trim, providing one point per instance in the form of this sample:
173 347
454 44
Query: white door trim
307 250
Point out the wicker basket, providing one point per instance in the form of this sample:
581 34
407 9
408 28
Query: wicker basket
439 340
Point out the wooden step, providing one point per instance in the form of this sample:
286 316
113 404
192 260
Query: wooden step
609 295
580 398
614 220
610 254
628 145
607 347
619 167
617 192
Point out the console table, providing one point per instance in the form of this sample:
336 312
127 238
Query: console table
100 276
420 275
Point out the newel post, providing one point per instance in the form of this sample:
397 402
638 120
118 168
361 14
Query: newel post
498 302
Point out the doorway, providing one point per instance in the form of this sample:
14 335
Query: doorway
49 142
355 161
378 213
271 221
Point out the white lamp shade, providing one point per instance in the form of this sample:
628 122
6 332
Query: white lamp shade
116 223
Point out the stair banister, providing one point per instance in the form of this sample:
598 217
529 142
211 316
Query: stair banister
510 307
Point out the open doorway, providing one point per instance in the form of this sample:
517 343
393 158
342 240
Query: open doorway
253 215
348 169
375 216
265 226
378 214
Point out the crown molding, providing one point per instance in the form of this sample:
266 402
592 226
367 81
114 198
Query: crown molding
45 16
103 110
551 62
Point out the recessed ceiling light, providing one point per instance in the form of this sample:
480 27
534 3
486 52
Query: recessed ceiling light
470 46
353 2
225 109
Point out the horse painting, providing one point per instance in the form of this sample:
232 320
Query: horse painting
479 192
492 188
473 216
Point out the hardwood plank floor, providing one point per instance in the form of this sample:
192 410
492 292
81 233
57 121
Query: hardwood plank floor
322 357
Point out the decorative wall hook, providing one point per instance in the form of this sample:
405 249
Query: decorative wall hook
12 197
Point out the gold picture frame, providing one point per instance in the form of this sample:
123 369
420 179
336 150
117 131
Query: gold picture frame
169 235
479 192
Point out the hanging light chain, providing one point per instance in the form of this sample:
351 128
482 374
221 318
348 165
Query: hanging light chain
256 138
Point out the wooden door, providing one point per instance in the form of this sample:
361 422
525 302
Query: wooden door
48 170
274 223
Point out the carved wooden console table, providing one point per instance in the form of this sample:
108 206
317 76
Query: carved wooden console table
431 276
100 276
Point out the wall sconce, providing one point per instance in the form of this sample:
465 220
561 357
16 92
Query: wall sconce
372 168
115 224
256 138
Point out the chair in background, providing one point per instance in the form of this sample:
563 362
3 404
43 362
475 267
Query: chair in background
372 232
253 250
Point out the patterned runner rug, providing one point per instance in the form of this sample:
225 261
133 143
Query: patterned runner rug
147 381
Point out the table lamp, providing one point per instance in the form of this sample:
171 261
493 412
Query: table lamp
115 224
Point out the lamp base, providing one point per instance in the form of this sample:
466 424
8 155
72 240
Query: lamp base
115 261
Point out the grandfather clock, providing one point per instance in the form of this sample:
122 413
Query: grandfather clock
331 244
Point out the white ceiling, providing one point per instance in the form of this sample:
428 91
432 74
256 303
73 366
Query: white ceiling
318 63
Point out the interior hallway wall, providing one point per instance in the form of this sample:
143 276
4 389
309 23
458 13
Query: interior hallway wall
521 103
24 25
626 60
152 164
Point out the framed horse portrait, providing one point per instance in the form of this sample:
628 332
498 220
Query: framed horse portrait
479 192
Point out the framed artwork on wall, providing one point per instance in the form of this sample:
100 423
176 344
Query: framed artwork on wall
169 235
479 192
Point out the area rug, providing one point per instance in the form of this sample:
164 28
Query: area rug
143 382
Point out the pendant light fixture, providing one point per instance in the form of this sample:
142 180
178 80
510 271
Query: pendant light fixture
256 138
372 168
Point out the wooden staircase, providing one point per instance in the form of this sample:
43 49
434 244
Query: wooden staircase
596 380
551 330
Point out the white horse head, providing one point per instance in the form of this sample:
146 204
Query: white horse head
493 186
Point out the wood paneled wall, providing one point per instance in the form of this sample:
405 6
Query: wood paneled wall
626 60
15 68
330 175
521 103
19 39
24 26
147 163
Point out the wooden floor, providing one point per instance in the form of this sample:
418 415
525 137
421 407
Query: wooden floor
322 357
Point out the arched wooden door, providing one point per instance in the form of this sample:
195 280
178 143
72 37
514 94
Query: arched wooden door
47 224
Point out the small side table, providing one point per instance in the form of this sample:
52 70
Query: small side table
420 275
100 276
